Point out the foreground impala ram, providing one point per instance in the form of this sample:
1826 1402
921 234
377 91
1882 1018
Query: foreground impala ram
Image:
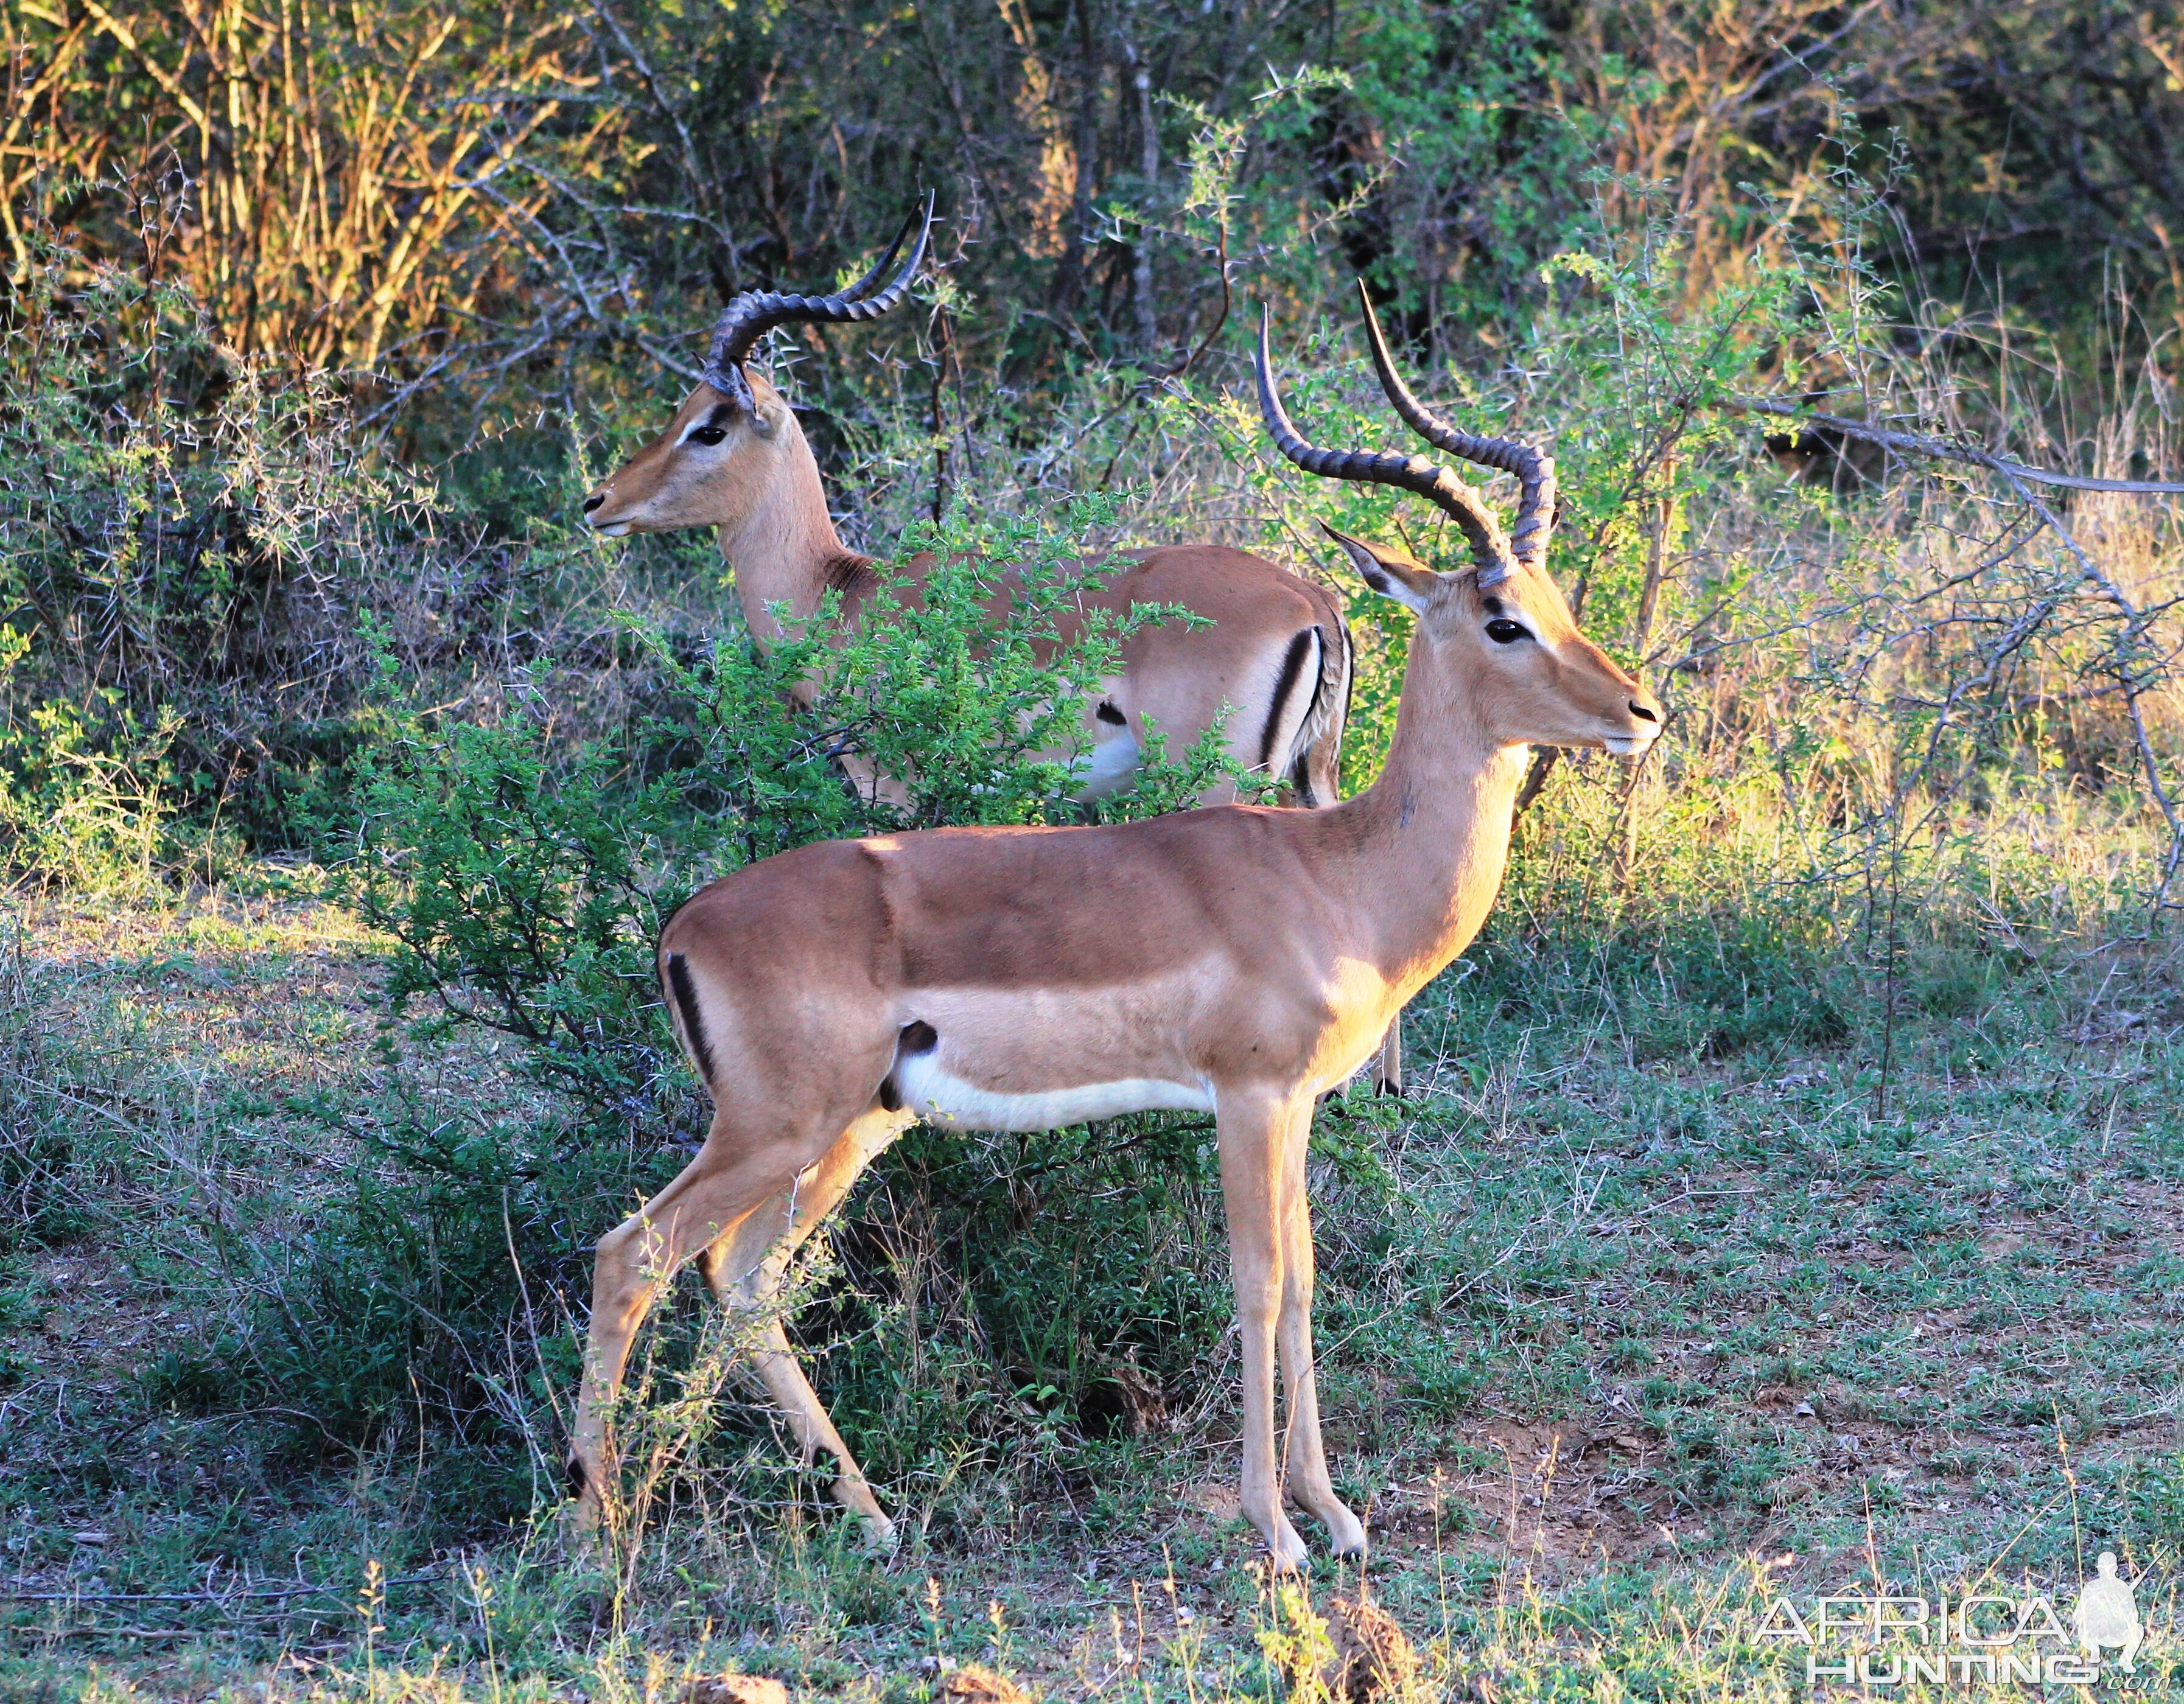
1231 959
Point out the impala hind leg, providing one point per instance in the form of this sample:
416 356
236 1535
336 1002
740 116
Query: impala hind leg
1304 1463
745 1269
731 1177
1253 1132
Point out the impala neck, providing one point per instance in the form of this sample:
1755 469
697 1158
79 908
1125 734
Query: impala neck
784 549
1433 831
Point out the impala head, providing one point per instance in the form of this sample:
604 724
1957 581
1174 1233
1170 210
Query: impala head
720 452
1503 627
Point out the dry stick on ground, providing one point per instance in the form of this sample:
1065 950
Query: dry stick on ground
2135 621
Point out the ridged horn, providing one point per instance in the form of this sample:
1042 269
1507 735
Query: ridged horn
1462 503
1534 471
755 313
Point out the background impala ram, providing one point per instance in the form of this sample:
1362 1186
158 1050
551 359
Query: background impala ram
1276 658
1234 959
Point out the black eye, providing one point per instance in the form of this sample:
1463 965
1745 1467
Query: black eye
1506 632
705 435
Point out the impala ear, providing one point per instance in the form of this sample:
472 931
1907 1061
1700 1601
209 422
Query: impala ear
1391 572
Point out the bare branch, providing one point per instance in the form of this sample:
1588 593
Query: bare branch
1944 450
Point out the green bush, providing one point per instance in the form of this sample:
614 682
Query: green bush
425 1294
186 540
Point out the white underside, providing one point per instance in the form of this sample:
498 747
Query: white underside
935 1096
1109 768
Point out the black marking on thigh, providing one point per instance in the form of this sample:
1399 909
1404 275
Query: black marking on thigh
1349 670
575 1474
920 1037
1300 770
1292 667
1300 779
685 994
1108 713
850 574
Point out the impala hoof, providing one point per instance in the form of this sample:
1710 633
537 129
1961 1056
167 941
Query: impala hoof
1285 1549
583 1511
1346 1533
855 1496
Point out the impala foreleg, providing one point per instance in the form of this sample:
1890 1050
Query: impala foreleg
1304 1457
745 1270
1252 1134
871 787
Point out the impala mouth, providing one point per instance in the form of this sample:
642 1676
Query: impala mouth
611 529
1627 744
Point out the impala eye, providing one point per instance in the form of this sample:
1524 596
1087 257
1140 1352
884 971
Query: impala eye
706 435
1506 632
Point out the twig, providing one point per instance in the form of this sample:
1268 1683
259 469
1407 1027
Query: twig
1543 764
1919 444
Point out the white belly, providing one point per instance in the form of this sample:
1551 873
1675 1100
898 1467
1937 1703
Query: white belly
1109 768
939 1099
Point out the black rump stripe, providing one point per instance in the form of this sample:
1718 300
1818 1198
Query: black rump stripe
1292 667
684 993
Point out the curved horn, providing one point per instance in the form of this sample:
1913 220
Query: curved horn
1412 473
1534 471
755 313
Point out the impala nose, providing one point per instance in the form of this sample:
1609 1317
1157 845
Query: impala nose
1641 712
593 501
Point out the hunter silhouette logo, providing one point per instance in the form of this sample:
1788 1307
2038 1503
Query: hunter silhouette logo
2108 1614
